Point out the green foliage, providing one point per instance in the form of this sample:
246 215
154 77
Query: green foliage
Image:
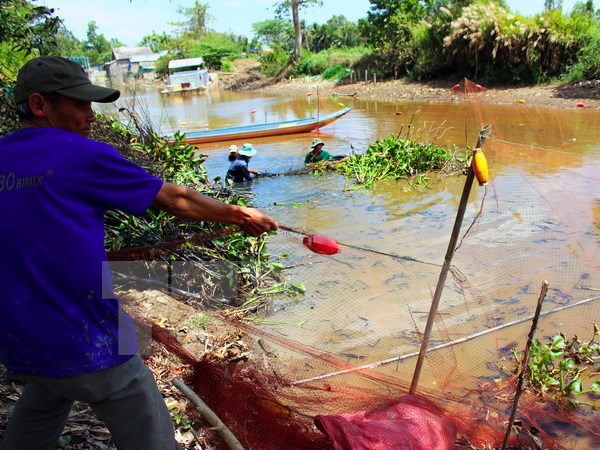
67 45
194 27
26 30
250 266
214 47
337 32
161 67
96 47
393 158
318 63
9 121
157 42
278 34
178 160
587 65
199 320
335 73
555 367
273 62
181 422
481 40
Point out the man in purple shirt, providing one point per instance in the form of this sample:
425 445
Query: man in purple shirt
60 332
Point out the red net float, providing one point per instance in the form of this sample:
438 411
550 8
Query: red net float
321 244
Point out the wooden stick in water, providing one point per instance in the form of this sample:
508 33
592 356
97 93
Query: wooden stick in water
524 362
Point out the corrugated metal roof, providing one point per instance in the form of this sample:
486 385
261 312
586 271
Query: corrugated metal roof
127 52
152 57
189 62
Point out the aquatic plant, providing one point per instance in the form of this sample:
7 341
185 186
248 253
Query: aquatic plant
555 368
396 158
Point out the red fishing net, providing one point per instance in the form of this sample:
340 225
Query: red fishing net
343 354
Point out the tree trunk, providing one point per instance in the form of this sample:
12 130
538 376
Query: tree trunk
297 30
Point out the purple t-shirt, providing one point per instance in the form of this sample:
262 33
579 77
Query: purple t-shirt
55 187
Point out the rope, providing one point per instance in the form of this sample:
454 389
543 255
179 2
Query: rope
539 148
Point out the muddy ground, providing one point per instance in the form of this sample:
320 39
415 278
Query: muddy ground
85 431
556 95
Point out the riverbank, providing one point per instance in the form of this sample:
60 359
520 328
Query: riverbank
246 77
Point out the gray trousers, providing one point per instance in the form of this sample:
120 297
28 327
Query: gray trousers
125 397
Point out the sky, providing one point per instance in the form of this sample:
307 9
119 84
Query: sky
129 21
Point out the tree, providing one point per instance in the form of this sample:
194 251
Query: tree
67 44
215 47
195 25
284 8
157 42
25 29
553 5
585 8
276 33
96 47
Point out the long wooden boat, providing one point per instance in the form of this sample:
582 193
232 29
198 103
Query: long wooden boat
246 132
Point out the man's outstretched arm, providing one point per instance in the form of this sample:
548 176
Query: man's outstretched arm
187 203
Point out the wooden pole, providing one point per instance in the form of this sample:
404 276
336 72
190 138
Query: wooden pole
318 108
209 415
524 362
483 134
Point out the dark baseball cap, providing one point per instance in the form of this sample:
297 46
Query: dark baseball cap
46 74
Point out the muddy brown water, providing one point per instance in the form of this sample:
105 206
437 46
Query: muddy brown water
371 217
395 218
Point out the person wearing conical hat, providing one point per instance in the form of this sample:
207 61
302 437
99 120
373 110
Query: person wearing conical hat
238 171
317 153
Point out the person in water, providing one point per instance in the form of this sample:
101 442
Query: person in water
233 152
238 171
317 154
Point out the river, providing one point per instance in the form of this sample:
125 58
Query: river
330 205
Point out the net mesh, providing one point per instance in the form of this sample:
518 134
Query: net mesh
350 343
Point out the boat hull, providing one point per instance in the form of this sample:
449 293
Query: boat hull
263 130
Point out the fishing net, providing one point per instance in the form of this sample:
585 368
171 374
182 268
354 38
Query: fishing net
344 353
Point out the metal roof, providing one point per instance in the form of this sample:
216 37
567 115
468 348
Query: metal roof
147 58
127 52
189 62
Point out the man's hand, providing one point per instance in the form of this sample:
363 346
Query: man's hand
255 222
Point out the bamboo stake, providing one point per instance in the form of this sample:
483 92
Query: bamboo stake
483 134
524 362
209 415
318 109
